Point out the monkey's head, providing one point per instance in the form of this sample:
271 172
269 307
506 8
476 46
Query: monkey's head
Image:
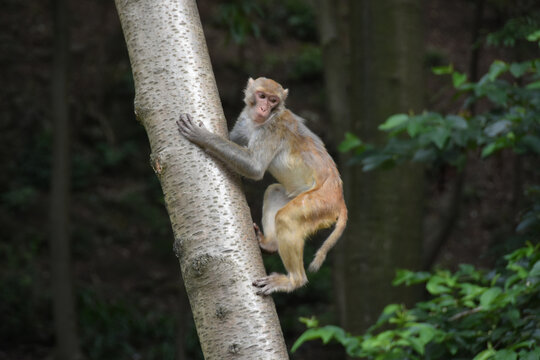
264 97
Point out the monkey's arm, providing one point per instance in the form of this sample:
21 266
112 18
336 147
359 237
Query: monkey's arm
251 163
238 132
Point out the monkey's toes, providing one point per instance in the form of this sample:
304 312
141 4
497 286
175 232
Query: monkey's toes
260 282
265 291
257 229
265 288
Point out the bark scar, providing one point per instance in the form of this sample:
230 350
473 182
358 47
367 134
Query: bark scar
156 164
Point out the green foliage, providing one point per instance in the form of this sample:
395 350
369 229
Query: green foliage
289 19
239 17
512 121
19 197
472 315
530 221
116 330
273 20
524 27
308 64
299 18
26 314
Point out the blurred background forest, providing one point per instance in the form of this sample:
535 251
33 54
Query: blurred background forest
462 205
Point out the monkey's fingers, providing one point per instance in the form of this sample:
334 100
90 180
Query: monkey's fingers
182 128
186 126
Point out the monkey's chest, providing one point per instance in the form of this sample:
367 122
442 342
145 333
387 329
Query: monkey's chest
295 176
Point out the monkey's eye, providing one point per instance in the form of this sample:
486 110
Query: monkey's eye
262 96
273 100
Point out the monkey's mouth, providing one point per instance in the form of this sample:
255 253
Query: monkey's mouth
262 114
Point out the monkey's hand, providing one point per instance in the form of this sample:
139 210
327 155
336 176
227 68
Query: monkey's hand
196 133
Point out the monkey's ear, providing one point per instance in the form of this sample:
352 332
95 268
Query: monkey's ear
285 94
248 91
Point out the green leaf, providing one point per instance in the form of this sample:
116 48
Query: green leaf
496 69
532 142
457 122
351 142
416 344
408 277
532 355
435 287
394 121
453 348
484 355
424 155
511 280
534 85
518 269
490 149
374 161
325 334
426 333
439 136
442 70
513 316
416 125
487 298
470 291
458 79
534 36
390 309
311 322
528 220
497 128
535 271
497 95
505 354
518 69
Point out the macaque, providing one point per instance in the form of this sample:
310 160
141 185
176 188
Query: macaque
309 196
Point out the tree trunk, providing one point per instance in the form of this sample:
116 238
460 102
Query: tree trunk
333 39
214 238
65 318
385 206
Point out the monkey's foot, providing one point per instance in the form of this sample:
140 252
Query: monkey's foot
258 232
264 242
277 282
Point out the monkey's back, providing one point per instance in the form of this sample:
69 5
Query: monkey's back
303 162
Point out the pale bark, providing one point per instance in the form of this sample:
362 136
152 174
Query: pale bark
65 316
214 238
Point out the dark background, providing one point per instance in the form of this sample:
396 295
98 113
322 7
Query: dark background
129 293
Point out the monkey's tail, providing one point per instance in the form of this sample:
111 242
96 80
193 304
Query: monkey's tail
329 243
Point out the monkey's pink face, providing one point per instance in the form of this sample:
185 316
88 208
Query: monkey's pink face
264 104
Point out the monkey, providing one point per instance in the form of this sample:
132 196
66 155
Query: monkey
309 194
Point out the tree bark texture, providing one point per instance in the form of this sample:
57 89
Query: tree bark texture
385 206
214 238
65 316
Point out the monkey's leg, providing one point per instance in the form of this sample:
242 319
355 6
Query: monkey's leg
275 198
290 239
290 247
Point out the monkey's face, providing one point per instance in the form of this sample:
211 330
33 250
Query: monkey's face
264 98
265 103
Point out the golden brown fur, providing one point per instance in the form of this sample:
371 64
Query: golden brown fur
309 195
